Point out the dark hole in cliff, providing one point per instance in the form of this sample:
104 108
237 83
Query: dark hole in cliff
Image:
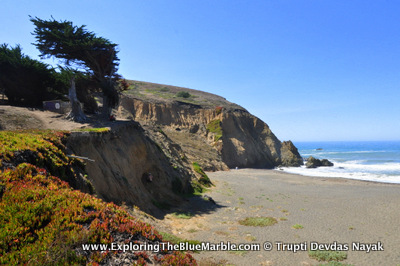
177 186
147 178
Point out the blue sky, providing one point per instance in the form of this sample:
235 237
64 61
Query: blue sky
312 70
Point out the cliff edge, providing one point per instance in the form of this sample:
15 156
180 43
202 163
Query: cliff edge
207 128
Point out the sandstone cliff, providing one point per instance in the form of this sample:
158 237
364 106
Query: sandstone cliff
207 128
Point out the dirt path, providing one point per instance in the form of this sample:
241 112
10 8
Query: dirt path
12 117
328 210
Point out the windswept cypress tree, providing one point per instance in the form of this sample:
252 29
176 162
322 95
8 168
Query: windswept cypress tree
82 50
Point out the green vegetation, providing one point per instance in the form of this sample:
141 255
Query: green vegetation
239 252
324 255
204 179
80 47
43 149
198 188
335 263
163 92
182 215
297 226
97 130
183 94
177 240
258 221
215 127
24 80
44 221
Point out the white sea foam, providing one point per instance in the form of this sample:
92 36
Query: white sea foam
373 161
386 173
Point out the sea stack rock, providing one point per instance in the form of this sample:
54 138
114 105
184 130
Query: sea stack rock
314 163
290 156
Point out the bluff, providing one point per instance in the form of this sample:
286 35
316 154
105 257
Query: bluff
206 128
119 162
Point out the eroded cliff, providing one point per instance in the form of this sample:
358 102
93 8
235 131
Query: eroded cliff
119 165
206 127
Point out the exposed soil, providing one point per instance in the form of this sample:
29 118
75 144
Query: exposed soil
14 118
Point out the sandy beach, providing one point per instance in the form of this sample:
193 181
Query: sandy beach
327 210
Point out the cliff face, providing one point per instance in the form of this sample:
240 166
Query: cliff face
123 159
219 135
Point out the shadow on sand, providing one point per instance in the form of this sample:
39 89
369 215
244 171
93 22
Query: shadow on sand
195 205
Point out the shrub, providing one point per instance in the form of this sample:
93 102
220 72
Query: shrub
183 94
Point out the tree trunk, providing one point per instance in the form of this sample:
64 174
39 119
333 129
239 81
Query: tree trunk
76 113
106 112
110 97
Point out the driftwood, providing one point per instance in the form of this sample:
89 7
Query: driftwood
80 157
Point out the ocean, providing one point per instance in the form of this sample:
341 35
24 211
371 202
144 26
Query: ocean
377 161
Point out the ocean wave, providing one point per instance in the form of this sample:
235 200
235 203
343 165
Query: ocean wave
356 169
359 165
342 152
344 173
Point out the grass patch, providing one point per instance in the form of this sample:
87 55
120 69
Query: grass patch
182 215
325 255
297 226
167 237
239 252
250 238
335 263
198 189
283 219
97 130
258 221
215 127
204 179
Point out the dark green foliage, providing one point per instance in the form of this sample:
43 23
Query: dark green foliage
183 94
83 50
198 189
26 81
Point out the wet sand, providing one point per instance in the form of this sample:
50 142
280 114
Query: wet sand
329 210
